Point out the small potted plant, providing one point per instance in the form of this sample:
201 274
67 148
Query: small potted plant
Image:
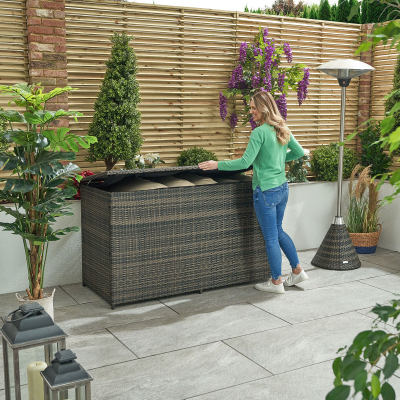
38 163
362 215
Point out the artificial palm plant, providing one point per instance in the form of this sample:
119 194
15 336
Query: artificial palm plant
36 170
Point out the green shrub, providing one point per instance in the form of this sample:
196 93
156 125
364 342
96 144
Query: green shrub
325 162
306 12
364 11
343 11
325 11
297 171
116 121
314 12
194 155
372 153
333 12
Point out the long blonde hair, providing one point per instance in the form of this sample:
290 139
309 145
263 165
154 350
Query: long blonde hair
266 106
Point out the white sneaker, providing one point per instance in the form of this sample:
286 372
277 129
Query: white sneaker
293 279
270 287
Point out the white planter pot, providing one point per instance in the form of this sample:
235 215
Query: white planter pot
46 302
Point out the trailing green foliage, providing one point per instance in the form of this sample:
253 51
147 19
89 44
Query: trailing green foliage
36 170
372 153
116 121
194 156
343 11
356 368
390 102
325 11
4 144
297 171
325 162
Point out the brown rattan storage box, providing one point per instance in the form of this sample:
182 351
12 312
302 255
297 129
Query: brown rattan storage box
162 242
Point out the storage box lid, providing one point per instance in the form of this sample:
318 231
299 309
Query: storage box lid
107 178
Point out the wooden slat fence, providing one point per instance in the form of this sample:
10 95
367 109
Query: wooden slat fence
384 62
186 57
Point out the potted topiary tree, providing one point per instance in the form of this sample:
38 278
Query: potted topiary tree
35 172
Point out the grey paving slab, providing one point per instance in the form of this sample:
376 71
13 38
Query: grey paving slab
292 347
24 393
300 306
86 346
81 294
212 299
92 317
390 283
379 251
9 302
305 256
308 383
319 277
389 260
176 375
167 334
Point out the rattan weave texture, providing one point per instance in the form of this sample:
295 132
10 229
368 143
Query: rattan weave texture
149 244
336 251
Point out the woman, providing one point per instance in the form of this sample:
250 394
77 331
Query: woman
268 151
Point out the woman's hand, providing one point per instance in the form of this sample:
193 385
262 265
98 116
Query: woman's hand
206 165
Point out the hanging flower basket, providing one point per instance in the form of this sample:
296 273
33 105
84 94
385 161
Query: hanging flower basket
366 243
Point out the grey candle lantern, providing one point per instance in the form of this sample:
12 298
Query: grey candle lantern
337 251
63 375
30 326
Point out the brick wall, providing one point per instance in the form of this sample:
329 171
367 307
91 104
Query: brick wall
47 50
364 95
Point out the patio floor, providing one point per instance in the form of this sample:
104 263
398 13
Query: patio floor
233 343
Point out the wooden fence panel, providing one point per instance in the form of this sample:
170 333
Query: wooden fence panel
186 56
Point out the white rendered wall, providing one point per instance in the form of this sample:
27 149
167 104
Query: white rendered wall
310 212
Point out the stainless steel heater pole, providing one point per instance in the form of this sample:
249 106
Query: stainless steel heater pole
339 219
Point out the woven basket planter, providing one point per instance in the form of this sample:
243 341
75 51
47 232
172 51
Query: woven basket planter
163 242
366 243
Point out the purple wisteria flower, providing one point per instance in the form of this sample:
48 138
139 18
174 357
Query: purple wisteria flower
265 34
223 102
245 102
274 64
237 81
267 83
256 80
282 106
302 86
268 51
281 81
253 123
234 121
243 52
288 52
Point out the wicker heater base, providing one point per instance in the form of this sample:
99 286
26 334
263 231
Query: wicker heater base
337 251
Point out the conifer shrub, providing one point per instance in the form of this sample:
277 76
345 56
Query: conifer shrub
325 11
116 121
333 12
343 11
364 11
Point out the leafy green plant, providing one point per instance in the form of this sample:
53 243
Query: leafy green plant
362 213
357 368
116 121
36 171
4 144
325 162
372 153
297 171
194 156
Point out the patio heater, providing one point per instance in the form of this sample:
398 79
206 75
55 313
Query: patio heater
337 251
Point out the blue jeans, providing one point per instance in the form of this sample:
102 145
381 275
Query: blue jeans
270 207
